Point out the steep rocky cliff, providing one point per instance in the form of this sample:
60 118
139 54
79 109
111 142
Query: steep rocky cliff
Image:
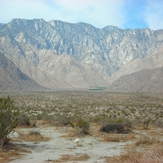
60 54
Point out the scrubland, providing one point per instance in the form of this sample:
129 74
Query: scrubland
136 118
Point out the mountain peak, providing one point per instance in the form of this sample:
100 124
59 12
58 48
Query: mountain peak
95 55
110 28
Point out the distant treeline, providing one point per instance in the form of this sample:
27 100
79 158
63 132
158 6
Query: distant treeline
98 88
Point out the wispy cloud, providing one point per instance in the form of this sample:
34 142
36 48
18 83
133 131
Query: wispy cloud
153 14
100 13
21 9
97 12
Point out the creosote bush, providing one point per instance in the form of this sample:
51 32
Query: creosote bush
23 119
8 118
82 125
113 128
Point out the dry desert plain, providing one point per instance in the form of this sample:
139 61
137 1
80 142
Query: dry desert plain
72 126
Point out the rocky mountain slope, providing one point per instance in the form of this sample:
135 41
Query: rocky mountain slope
11 77
153 61
58 54
150 80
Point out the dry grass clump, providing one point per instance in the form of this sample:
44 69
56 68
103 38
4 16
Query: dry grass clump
66 158
42 122
153 155
130 156
117 138
33 136
146 140
9 156
112 138
72 132
11 152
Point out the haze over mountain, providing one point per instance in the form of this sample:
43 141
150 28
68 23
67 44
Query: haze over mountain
11 77
58 54
150 80
153 61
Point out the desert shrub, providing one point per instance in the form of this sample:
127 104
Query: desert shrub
82 125
43 116
97 118
23 119
101 118
146 123
127 123
8 118
32 122
159 123
64 120
39 116
113 128
119 120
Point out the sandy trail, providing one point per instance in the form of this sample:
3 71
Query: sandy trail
58 145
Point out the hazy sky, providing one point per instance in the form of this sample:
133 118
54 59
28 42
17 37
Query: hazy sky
100 13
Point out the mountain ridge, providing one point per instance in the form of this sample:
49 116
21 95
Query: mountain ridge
12 78
149 80
94 56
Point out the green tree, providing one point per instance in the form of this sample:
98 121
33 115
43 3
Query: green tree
8 118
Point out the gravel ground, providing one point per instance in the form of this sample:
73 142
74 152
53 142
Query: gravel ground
58 145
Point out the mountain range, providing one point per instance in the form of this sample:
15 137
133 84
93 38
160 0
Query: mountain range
58 54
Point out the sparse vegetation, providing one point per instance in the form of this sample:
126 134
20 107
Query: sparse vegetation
153 155
82 125
8 118
33 136
146 122
146 140
111 113
94 106
65 158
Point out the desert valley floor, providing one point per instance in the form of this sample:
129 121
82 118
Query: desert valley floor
68 126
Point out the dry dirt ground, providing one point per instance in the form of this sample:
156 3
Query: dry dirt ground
57 144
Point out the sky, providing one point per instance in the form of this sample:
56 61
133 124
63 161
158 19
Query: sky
100 13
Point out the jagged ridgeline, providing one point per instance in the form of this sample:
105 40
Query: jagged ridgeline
58 54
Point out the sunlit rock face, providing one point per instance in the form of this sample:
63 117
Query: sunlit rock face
58 54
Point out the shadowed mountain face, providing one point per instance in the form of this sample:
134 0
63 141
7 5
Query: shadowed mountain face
11 77
57 54
142 81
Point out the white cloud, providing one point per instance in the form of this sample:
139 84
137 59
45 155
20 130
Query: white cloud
100 13
28 9
96 12
154 14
